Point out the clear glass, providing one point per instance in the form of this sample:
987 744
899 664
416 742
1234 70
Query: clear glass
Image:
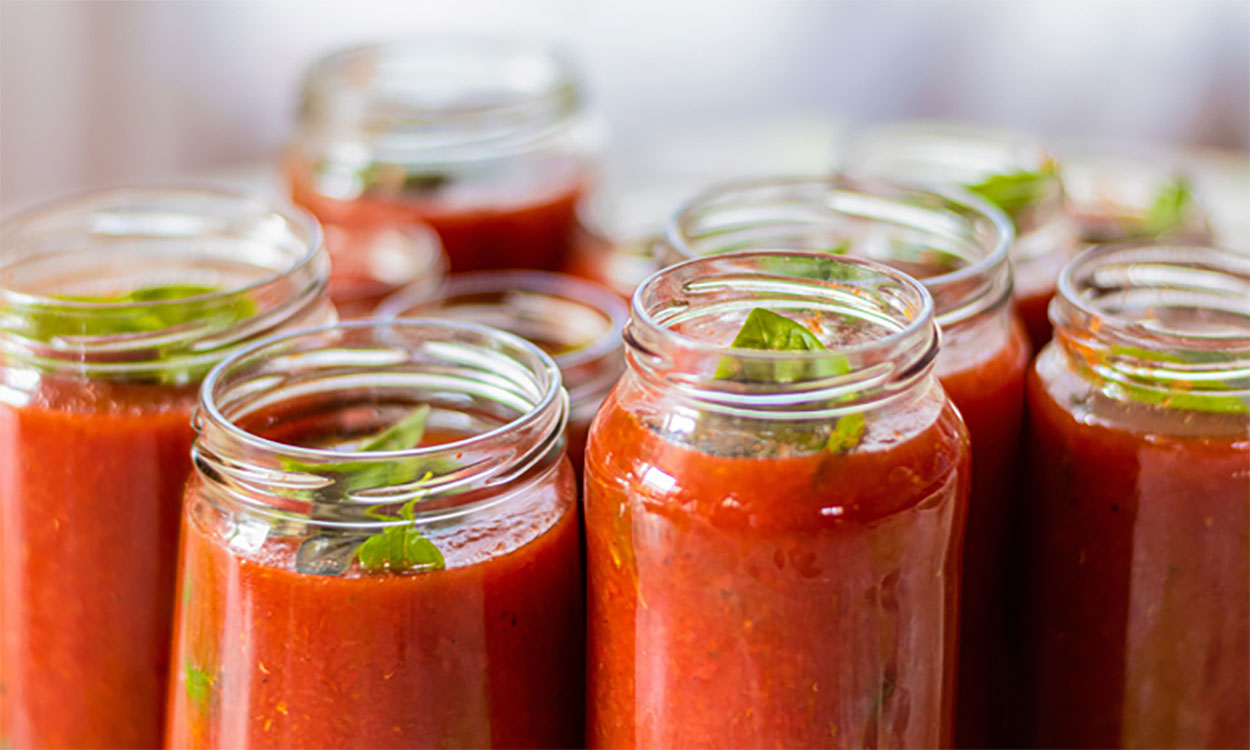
575 321
740 502
290 633
486 141
937 153
371 263
97 383
1136 598
957 246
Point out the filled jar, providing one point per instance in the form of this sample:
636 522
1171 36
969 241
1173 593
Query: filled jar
577 322
114 306
1009 170
380 546
1137 588
775 496
957 245
486 141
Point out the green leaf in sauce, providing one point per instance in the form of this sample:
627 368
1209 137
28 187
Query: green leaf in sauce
199 685
1170 397
769 331
1014 192
51 321
1169 209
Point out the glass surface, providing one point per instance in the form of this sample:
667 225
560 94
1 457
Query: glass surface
97 383
773 536
290 633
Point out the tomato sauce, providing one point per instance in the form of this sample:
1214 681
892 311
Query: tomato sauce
984 376
90 490
792 601
1138 581
525 231
484 653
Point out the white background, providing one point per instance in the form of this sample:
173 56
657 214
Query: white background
102 93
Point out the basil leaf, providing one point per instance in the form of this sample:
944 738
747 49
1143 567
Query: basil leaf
766 330
1015 192
199 685
48 321
1160 394
399 548
1170 208
403 435
358 475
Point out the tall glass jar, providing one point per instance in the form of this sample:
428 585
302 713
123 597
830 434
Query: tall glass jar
577 322
486 141
113 307
773 537
1011 170
381 546
1137 594
957 246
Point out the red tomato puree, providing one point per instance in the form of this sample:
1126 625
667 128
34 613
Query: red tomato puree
795 601
91 481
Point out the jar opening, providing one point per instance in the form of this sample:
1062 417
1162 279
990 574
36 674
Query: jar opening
874 323
281 422
954 242
1167 324
158 282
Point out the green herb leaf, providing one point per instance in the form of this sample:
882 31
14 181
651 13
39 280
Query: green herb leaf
766 330
1170 208
1015 192
1162 394
399 548
403 435
358 475
199 685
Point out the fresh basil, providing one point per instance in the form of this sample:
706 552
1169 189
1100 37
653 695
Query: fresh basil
1160 394
400 548
131 313
1170 208
1014 192
199 685
769 331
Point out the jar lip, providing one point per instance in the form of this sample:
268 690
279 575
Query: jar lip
118 198
1217 261
922 320
676 229
210 412
547 283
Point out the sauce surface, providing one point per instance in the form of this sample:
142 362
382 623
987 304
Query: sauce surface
91 480
792 601
487 652
1137 588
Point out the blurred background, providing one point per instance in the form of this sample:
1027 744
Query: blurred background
99 93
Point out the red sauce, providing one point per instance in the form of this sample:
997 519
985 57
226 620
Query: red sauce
90 491
487 652
984 377
1034 314
729 606
1138 581
535 231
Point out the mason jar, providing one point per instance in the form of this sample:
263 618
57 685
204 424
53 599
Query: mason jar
380 546
1137 589
487 141
773 537
957 245
113 307
1010 170
577 322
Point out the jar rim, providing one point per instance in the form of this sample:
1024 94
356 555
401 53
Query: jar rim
993 267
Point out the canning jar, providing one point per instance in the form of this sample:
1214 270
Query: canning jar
957 246
1010 170
1137 593
577 322
114 306
370 263
773 537
487 141
380 546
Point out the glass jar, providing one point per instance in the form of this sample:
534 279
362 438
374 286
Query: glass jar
957 246
1010 170
773 537
486 141
575 321
369 263
381 546
113 306
1137 593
